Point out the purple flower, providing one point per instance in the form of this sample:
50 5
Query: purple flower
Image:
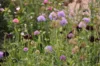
61 14
63 58
1 54
63 22
36 32
70 35
41 18
53 16
82 25
25 49
48 49
45 1
87 20
1 9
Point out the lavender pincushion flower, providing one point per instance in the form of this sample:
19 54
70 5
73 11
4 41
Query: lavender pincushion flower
36 32
53 16
63 58
25 49
63 22
82 25
41 18
70 35
1 54
61 14
48 49
87 20
1 9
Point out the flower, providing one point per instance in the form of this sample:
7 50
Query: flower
25 49
61 14
15 20
49 8
63 58
45 1
36 32
87 20
18 8
22 33
41 18
53 16
1 54
48 49
82 25
63 22
70 35
1 9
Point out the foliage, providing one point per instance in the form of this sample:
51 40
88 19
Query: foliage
33 42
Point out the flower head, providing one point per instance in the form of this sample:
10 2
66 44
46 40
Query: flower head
18 8
22 33
36 32
1 54
82 25
41 18
25 49
63 58
87 20
53 16
48 49
45 1
1 9
70 35
63 22
15 20
61 14
49 8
